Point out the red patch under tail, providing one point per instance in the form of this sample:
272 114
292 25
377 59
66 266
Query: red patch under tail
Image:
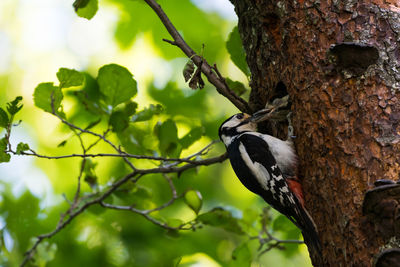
295 187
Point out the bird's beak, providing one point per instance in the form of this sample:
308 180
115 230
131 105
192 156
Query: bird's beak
246 117
262 115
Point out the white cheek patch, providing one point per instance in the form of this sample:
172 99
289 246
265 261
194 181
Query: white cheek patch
231 123
248 127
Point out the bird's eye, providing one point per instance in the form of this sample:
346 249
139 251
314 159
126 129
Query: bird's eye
240 116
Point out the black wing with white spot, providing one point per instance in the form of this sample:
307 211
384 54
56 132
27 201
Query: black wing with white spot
261 175
256 168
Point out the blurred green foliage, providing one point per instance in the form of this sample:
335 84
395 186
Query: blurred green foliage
224 219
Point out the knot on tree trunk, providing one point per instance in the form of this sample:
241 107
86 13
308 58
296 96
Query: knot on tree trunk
388 258
382 207
353 57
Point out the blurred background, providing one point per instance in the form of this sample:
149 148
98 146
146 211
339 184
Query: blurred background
37 37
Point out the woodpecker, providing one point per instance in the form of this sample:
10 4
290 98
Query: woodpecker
267 166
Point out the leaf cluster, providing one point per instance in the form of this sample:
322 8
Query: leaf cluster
138 195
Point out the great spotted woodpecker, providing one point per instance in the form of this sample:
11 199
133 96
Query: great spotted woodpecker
267 166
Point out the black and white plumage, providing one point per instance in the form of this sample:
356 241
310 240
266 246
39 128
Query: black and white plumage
267 166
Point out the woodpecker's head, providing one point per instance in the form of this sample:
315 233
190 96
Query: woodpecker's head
242 122
235 125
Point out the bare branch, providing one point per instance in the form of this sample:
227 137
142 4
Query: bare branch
170 42
212 77
62 223
99 200
122 154
79 204
78 189
145 214
171 169
74 127
267 239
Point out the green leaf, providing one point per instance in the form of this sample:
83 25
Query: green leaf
119 121
250 216
21 219
236 86
139 195
191 137
116 83
90 175
80 4
13 107
3 144
4 121
221 218
282 223
130 108
136 16
21 147
4 157
177 261
132 139
142 192
69 78
89 97
92 124
194 200
147 113
96 209
44 94
46 252
241 256
174 222
86 8
63 143
167 134
236 50
177 102
289 231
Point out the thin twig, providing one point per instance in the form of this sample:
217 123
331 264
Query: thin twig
78 189
174 197
97 141
29 254
173 169
138 172
72 126
271 241
145 214
77 207
213 78
122 154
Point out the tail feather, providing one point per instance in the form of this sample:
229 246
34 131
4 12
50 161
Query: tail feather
303 219
309 231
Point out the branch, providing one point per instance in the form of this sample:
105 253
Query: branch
208 71
74 127
145 214
270 240
79 205
172 169
122 154
99 200
62 223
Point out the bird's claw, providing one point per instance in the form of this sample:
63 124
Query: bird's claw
290 127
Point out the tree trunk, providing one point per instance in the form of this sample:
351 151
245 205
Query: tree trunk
339 61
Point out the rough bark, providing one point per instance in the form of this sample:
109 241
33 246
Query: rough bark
339 61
